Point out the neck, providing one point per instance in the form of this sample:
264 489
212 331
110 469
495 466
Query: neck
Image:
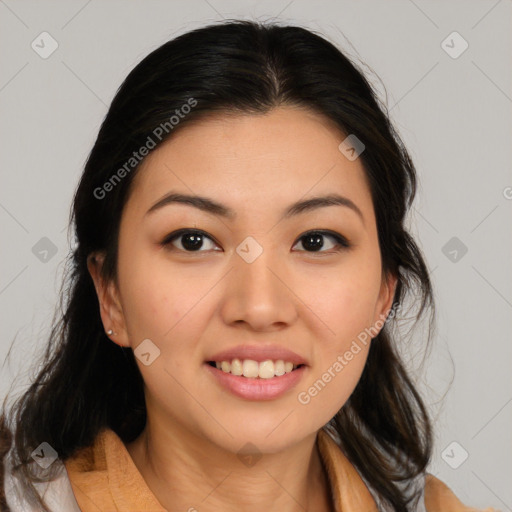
186 472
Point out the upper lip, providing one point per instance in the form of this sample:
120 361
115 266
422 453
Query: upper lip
258 353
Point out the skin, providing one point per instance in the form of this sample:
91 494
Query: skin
193 304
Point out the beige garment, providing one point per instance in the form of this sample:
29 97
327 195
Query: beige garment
104 478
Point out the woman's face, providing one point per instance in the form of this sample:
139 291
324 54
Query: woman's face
254 281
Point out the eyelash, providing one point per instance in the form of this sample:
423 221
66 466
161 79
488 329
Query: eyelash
341 242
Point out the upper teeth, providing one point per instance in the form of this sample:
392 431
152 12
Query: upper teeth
250 368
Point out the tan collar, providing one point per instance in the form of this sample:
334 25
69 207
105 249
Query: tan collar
348 490
104 477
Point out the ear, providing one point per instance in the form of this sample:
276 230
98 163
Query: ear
108 296
385 300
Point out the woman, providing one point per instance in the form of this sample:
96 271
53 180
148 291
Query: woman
241 255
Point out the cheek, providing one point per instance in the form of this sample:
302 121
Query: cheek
149 307
344 302
165 308
347 374
164 305
334 377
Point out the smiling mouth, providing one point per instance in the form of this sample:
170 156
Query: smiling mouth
253 369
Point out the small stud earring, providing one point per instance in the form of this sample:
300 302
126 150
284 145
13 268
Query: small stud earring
110 332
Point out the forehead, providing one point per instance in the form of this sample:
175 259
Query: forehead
253 162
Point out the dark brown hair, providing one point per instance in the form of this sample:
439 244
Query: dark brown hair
87 382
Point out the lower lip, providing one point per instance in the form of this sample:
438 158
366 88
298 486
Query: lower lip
256 388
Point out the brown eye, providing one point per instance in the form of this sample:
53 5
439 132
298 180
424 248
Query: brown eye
313 241
188 240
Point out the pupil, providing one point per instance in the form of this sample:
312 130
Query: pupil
314 241
192 241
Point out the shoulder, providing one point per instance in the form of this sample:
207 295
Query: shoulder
440 498
56 493
54 486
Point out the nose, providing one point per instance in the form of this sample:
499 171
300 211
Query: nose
259 294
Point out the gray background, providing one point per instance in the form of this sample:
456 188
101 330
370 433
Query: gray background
453 114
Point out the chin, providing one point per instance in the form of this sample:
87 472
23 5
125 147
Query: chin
268 435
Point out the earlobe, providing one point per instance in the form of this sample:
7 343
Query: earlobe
110 307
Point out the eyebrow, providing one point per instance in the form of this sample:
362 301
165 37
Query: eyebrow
213 207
